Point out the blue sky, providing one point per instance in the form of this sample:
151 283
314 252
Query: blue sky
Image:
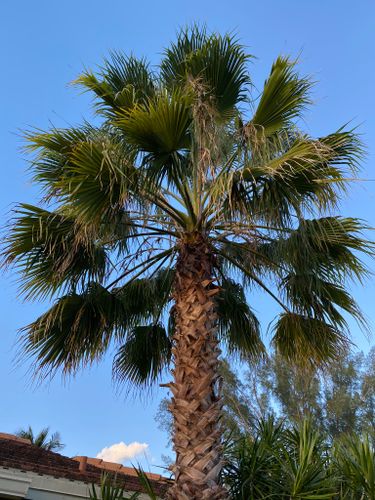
45 45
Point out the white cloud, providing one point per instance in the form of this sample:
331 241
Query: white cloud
121 452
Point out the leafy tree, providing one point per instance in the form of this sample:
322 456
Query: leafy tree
42 439
295 390
342 398
156 222
367 395
338 400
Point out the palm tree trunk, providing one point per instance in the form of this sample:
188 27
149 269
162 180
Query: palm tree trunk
196 403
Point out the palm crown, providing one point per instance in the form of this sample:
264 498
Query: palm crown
184 158
42 439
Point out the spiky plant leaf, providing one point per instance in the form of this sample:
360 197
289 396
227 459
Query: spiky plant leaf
355 460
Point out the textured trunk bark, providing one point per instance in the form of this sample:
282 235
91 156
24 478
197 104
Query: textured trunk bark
196 402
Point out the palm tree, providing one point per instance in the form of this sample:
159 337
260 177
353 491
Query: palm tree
155 223
52 444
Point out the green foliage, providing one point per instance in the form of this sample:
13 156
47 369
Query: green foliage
144 356
217 62
283 99
297 336
52 251
110 490
251 465
299 463
75 331
160 127
123 82
338 400
42 439
355 462
238 324
176 154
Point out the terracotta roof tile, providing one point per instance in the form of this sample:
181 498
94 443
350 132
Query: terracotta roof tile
20 455
112 466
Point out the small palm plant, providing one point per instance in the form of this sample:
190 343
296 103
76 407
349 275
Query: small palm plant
108 490
42 439
156 223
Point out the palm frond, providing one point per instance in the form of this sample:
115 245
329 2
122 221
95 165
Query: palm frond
160 126
122 83
76 331
52 251
315 297
54 443
302 175
239 326
98 180
284 97
147 297
304 340
52 149
91 170
328 246
144 356
217 62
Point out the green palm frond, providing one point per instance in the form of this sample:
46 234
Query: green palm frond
92 171
160 126
303 340
144 356
147 297
315 297
239 326
54 443
217 62
99 179
41 439
52 149
76 330
52 251
284 97
304 175
122 83
329 246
